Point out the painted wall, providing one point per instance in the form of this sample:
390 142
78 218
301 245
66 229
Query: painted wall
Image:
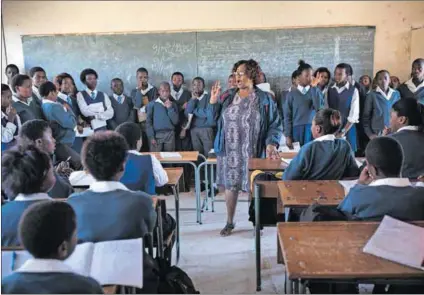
393 21
417 44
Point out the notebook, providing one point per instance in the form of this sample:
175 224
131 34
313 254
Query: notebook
110 263
388 242
170 155
86 132
81 178
348 184
285 149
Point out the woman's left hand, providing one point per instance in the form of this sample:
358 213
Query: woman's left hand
271 152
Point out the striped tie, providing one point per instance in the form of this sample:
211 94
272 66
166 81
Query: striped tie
119 99
304 91
69 100
93 95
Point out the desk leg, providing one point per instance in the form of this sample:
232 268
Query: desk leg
257 237
207 187
213 187
286 214
296 286
160 231
302 287
289 285
176 191
197 192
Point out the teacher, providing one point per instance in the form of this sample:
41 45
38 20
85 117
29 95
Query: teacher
248 126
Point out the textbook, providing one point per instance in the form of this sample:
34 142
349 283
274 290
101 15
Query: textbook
399 242
170 155
110 263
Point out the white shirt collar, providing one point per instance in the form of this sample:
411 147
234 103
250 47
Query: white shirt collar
410 128
47 101
340 90
203 94
44 265
412 86
36 91
396 182
115 96
135 152
149 86
386 96
302 89
160 101
176 95
89 91
107 186
331 137
32 197
16 99
63 96
266 87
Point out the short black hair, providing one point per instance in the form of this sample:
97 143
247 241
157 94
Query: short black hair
295 74
164 83
63 76
18 80
24 169
329 120
103 154
142 70
33 129
418 60
323 70
34 70
303 66
46 88
87 72
200 79
117 79
4 87
131 132
45 225
346 67
386 155
411 109
177 74
11 66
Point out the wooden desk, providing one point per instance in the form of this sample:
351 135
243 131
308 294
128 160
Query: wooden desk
333 251
174 175
287 155
185 156
266 164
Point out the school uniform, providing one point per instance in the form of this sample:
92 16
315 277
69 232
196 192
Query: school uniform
325 158
123 111
36 102
346 100
62 188
27 110
11 213
9 131
161 124
141 97
95 104
411 138
143 173
389 196
109 211
48 276
409 90
66 121
181 97
376 115
300 108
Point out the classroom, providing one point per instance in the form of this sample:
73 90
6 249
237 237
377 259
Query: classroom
235 147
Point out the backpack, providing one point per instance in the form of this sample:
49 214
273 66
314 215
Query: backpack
317 212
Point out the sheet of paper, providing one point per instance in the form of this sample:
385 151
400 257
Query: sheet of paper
81 178
348 184
86 132
80 261
419 184
118 262
359 161
399 242
7 260
285 149
167 155
286 160
96 124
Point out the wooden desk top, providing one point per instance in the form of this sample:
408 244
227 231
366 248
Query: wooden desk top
287 155
174 175
185 156
212 160
267 164
305 193
333 250
110 289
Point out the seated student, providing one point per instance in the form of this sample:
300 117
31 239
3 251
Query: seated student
142 172
10 121
406 124
26 107
414 87
104 155
39 133
27 175
325 158
122 105
38 76
48 232
379 102
10 72
162 119
94 105
381 190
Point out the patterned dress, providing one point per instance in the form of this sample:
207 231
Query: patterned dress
241 125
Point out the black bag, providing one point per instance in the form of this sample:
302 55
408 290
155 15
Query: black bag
317 212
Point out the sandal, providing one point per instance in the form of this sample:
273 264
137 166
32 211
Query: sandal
226 231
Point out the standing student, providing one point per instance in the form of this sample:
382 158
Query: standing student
322 80
367 82
231 82
283 97
162 120
414 87
38 76
300 107
264 85
94 105
48 232
10 72
10 121
394 82
27 175
123 108
379 102
344 97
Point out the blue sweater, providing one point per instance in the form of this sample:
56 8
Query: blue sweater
160 118
113 215
138 175
55 112
323 160
49 283
300 109
200 114
373 202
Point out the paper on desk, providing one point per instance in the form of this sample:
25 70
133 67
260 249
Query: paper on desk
86 132
287 161
348 184
81 178
399 242
96 124
285 149
169 155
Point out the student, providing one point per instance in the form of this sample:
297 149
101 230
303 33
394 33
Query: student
325 158
142 172
26 108
231 81
342 96
162 119
10 121
381 190
94 105
38 76
39 133
414 87
379 102
264 85
406 124
104 155
367 82
48 232
283 97
27 175
10 72
322 80
301 104
394 82
123 108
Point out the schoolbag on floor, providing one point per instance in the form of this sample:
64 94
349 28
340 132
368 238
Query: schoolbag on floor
316 212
